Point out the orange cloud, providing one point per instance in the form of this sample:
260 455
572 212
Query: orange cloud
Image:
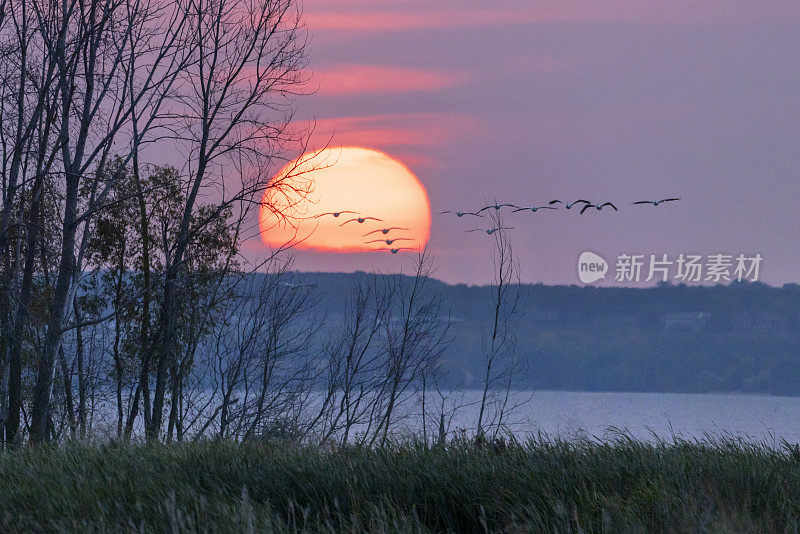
361 79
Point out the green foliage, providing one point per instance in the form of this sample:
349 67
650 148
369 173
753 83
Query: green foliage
133 242
713 485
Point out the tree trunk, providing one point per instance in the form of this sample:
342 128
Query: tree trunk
81 372
15 350
46 366
166 354
70 402
143 388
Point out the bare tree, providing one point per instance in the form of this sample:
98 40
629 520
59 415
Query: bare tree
501 364
27 114
353 359
257 364
248 57
415 338
89 44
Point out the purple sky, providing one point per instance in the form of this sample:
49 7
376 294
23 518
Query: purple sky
614 100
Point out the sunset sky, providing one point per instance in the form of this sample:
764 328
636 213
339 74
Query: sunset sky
529 101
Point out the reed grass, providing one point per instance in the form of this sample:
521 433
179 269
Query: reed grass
712 485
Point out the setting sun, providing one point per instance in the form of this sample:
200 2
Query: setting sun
346 199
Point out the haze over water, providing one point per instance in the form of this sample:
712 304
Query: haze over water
644 416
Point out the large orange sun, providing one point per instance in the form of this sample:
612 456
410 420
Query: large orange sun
310 200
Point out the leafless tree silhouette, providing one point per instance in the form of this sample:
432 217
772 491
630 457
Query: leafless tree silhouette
501 364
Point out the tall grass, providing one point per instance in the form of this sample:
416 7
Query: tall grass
540 486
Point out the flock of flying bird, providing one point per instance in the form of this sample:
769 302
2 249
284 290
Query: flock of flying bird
584 205
389 241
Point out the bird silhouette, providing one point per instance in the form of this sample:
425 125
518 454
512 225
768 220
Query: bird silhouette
393 250
496 207
490 231
656 202
360 220
534 209
384 231
390 241
334 213
598 207
462 213
568 205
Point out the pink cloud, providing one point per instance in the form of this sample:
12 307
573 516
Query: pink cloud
392 130
392 21
421 15
360 79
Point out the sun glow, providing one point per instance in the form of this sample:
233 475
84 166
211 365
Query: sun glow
302 205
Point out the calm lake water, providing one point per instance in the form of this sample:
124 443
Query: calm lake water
569 414
578 415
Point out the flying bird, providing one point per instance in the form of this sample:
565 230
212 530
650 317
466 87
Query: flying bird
534 209
360 220
334 213
598 207
462 213
568 205
393 250
656 202
490 231
497 207
390 241
384 231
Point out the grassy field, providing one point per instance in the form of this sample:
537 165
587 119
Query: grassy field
224 487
